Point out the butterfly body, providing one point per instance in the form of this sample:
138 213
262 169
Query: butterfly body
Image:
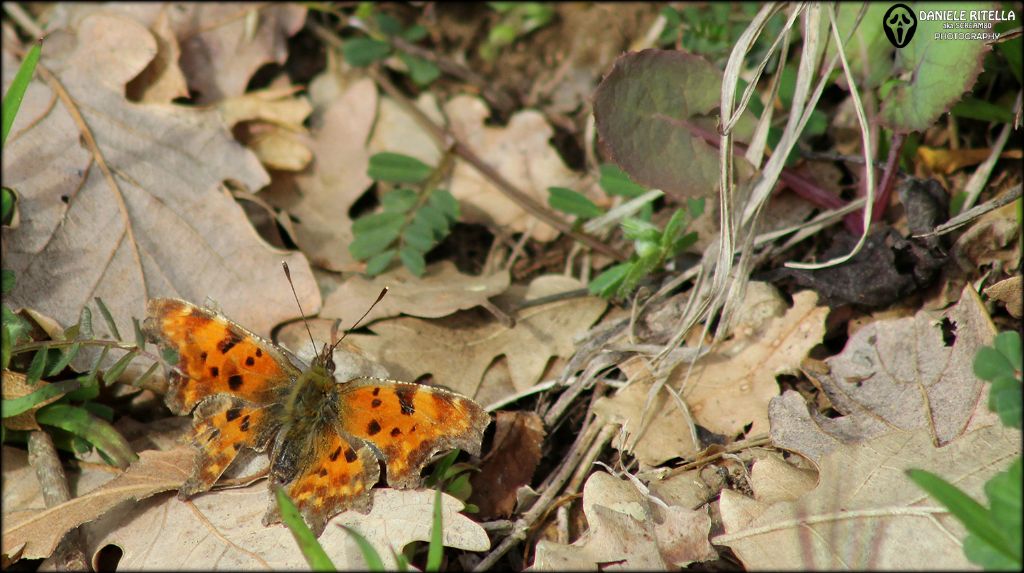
324 437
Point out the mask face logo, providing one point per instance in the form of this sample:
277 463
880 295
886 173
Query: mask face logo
899 24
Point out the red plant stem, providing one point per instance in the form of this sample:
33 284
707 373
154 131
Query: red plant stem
885 185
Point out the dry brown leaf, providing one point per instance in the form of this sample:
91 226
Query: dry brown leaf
521 152
907 373
162 81
946 161
865 512
627 532
441 291
510 464
162 224
458 349
21 491
1009 292
727 389
397 131
320 199
222 45
41 529
222 531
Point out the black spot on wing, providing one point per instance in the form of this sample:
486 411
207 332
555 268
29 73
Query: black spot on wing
228 343
350 455
235 381
334 455
233 413
405 399
373 427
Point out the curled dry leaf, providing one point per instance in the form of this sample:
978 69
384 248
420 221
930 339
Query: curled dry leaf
627 529
865 513
148 199
222 531
908 373
510 463
441 291
460 348
520 151
222 45
730 387
1009 292
319 199
41 529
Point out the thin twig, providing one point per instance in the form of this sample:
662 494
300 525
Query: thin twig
975 212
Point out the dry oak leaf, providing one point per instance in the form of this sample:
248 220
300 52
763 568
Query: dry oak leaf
41 529
441 291
1009 292
160 221
626 531
728 388
221 530
514 455
906 373
21 490
520 151
274 125
397 130
458 349
222 45
319 198
865 513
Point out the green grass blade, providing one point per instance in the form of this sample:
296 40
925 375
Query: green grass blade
307 542
436 550
16 93
21 405
973 515
370 555
97 432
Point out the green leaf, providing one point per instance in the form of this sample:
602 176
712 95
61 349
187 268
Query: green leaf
696 207
118 368
374 241
1008 343
16 406
675 226
7 212
108 318
413 260
101 411
446 203
435 551
379 263
931 75
683 243
414 33
368 223
8 281
606 283
974 108
398 168
62 361
388 24
370 555
1004 398
35 369
1004 496
573 203
89 390
423 72
972 514
990 364
399 200
90 428
361 52
640 230
419 236
868 51
140 340
19 85
651 111
435 219
304 538
614 181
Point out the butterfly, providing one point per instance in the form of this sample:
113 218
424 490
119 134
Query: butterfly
325 438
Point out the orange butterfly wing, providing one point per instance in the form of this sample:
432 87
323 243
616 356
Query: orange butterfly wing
229 376
408 423
215 356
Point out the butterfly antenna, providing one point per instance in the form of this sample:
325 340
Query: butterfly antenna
383 292
288 275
